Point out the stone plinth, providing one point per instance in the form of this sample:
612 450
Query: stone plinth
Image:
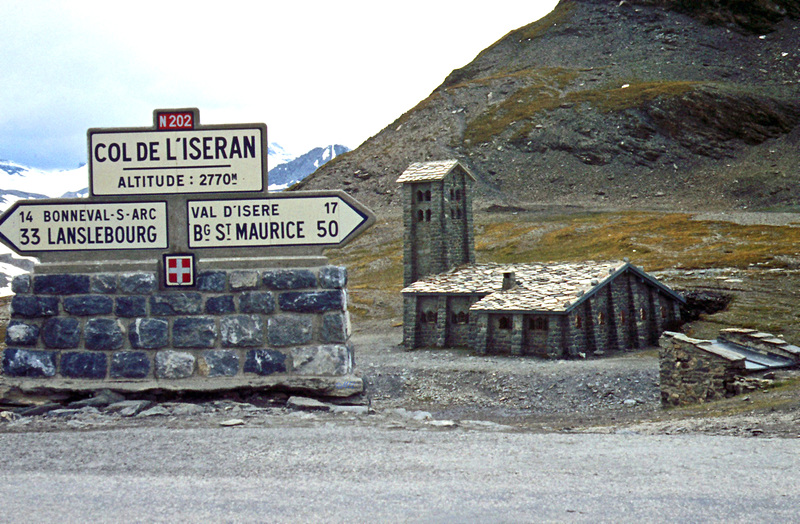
273 327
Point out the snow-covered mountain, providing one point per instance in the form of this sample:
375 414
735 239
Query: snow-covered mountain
277 155
284 175
19 182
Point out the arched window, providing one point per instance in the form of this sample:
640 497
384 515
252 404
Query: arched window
458 194
428 195
601 318
420 215
428 215
579 322
452 196
642 314
504 323
420 196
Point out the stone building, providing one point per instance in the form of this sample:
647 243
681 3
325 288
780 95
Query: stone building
437 217
693 370
549 310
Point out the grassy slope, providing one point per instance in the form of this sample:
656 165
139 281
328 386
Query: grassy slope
651 240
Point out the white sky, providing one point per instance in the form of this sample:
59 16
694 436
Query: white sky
315 72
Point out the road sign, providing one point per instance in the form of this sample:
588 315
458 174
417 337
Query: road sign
178 156
31 227
322 219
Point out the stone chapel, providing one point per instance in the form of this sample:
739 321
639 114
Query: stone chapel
556 310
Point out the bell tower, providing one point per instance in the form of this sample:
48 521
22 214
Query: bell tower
437 218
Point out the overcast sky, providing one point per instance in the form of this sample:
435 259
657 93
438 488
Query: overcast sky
316 72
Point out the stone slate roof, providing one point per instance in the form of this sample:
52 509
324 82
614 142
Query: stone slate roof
430 171
557 287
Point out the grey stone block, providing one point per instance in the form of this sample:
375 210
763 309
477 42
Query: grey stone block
137 283
84 365
129 364
333 277
61 333
334 328
21 283
103 283
332 359
242 331
31 306
214 281
289 330
289 279
311 301
265 362
148 333
165 304
194 332
66 284
131 306
103 334
257 302
239 280
220 305
21 333
29 363
85 305
174 364
221 363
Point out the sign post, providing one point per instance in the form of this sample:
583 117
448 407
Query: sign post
180 264
179 187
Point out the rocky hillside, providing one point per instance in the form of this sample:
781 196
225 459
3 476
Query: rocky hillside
602 103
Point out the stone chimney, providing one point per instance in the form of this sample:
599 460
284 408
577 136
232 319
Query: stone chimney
508 280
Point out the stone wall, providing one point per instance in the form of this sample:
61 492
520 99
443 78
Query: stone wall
690 373
271 326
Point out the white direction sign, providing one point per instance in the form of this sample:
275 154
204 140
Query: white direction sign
205 160
29 227
318 220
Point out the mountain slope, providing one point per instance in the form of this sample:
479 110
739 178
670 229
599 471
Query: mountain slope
651 103
297 169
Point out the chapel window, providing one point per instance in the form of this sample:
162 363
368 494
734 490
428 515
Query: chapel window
537 324
504 323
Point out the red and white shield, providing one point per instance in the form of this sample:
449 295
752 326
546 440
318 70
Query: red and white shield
179 270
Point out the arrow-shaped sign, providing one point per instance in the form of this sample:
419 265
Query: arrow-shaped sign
326 219
33 227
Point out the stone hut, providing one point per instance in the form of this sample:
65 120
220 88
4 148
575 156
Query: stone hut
693 370
549 310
